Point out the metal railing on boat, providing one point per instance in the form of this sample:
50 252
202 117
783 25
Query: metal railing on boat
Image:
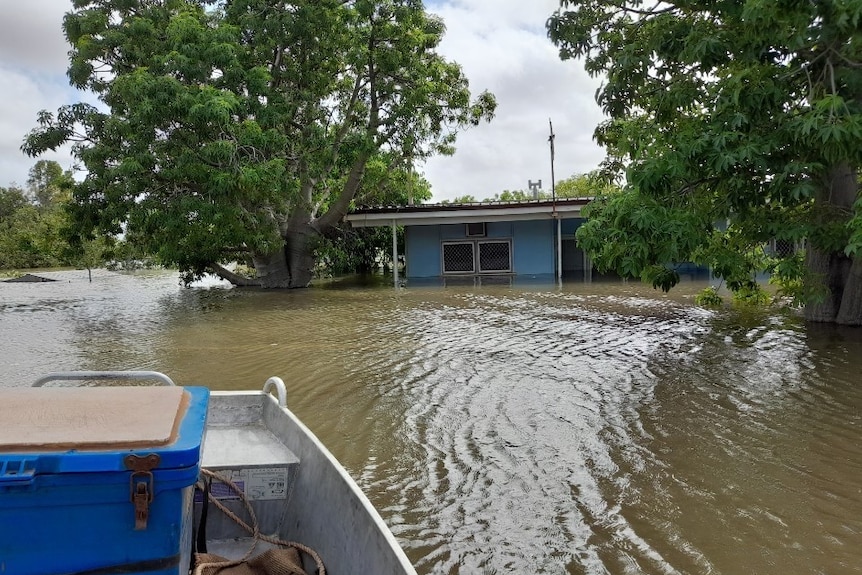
274 382
102 376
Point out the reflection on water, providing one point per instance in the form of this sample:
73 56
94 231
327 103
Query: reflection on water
601 428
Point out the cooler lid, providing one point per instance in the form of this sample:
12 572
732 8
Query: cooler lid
77 429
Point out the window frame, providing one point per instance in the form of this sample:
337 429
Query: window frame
443 245
478 259
475 250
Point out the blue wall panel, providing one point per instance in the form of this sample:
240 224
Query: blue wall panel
452 232
533 247
499 229
423 251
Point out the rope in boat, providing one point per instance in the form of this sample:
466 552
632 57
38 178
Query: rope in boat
254 531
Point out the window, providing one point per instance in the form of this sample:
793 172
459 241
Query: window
475 230
495 257
492 256
458 258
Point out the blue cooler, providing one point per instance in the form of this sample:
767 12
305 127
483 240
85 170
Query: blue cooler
98 480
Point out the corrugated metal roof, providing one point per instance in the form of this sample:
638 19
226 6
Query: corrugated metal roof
445 207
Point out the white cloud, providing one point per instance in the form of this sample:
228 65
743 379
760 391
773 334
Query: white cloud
31 36
23 98
33 58
501 45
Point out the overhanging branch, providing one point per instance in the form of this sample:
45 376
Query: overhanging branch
234 278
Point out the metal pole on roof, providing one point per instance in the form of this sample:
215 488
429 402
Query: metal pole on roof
553 182
395 253
554 206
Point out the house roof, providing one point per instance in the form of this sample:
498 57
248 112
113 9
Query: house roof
428 214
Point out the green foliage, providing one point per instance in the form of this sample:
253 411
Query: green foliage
751 295
358 250
513 196
465 199
31 238
709 297
732 255
26 241
361 250
732 122
787 274
386 185
226 127
587 185
12 199
48 184
637 236
33 223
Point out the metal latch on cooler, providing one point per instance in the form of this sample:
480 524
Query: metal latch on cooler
141 485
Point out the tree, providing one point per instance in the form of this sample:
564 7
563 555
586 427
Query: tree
48 184
33 223
575 186
742 114
513 196
12 199
359 250
30 235
242 130
465 199
584 186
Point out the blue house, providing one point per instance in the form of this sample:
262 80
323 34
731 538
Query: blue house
528 238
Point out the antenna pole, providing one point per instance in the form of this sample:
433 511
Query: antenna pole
554 207
553 181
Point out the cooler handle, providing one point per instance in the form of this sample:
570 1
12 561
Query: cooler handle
102 375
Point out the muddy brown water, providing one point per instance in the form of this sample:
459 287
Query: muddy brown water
583 428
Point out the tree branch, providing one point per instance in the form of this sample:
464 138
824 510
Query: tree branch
234 278
339 208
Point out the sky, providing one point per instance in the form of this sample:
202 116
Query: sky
501 45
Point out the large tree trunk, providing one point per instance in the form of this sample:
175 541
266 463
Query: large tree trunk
833 274
826 276
290 266
850 312
272 270
300 258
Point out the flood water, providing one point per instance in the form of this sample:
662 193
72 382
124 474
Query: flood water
588 428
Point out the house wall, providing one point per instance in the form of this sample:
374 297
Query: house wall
533 245
423 251
533 248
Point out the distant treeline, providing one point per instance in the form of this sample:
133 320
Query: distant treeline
587 185
34 225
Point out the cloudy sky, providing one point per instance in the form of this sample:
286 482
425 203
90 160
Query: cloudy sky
501 45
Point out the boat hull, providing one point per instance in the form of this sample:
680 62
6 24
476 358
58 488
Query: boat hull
323 506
